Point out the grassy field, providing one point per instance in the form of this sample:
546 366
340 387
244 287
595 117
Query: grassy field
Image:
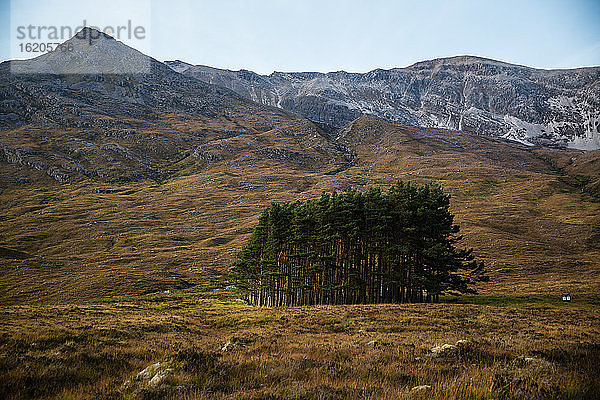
204 344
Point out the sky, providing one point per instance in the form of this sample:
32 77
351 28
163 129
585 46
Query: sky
310 35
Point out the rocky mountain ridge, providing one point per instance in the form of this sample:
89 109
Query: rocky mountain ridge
556 108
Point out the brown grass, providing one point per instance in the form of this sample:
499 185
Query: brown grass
537 350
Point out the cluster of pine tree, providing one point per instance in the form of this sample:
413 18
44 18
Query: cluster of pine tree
356 247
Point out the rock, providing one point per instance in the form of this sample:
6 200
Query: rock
531 363
227 346
235 345
151 376
160 377
443 350
148 372
421 388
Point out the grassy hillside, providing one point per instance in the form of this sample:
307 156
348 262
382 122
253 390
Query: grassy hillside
124 200
530 214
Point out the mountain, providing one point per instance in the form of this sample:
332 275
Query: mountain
473 94
106 111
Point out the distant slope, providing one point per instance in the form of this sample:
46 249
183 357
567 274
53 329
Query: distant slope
473 94
530 214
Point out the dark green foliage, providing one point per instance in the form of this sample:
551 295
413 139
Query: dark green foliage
356 247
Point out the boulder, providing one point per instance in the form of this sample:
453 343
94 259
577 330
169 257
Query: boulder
150 377
445 349
160 377
421 388
148 373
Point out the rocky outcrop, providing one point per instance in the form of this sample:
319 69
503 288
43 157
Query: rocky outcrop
472 94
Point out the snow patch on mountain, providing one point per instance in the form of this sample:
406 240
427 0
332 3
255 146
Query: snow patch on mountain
522 131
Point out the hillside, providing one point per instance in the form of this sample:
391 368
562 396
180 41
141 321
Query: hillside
121 184
121 126
471 94
531 221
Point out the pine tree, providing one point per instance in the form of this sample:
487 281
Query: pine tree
356 247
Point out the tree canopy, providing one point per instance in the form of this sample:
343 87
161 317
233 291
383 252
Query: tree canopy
356 247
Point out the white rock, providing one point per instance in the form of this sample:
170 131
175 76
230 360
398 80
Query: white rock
443 349
421 388
148 372
233 346
160 377
227 346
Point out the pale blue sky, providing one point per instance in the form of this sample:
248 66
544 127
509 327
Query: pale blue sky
321 35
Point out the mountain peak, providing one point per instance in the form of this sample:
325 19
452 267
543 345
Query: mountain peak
91 35
460 61
88 52
88 31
